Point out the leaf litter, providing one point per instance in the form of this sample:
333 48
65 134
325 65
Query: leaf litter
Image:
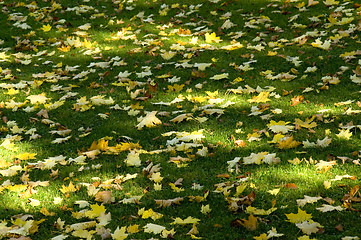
155 97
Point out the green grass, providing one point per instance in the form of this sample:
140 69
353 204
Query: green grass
33 189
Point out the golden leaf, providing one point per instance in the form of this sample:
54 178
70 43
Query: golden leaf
262 97
299 217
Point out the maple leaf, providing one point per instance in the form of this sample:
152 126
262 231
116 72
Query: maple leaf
210 38
205 209
188 220
324 142
297 100
133 159
155 177
331 2
133 228
344 134
299 217
168 55
325 45
96 211
309 227
219 76
70 188
38 99
149 214
255 211
150 120
26 156
273 233
308 123
104 197
288 143
250 223
263 236
307 199
153 228
262 97
46 28
175 88
119 234
168 202
324 166
329 208
279 127
312 3
202 66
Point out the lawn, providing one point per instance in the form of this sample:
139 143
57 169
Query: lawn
137 119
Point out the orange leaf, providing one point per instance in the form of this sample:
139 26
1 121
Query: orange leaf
291 186
297 100
240 143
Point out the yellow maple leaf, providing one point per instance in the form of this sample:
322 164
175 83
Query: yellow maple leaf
4 163
210 38
250 223
344 134
299 217
288 143
46 28
45 212
331 2
156 177
133 228
96 211
64 48
38 99
166 233
101 145
175 88
26 156
168 55
308 123
70 188
256 211
188 220
150 120
133 159
263 236
262 97
149 214
82 233
274 191
205 209
175 188
12 91
9 145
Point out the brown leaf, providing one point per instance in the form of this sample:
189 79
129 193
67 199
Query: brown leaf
339 227
224 175
247 200
329 200
104 197
285 92
168 202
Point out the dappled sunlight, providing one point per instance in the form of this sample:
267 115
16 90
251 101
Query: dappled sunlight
157 119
